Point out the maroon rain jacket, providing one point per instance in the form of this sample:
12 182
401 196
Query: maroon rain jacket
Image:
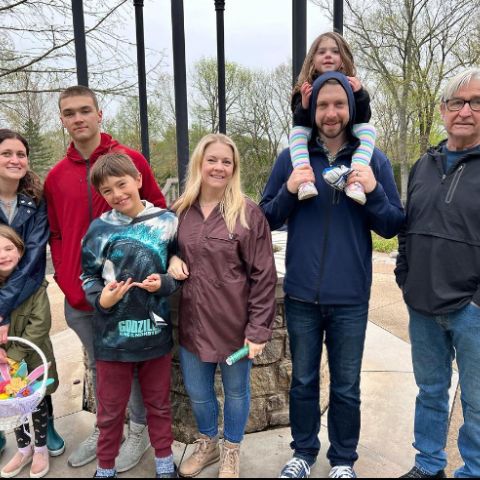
230 294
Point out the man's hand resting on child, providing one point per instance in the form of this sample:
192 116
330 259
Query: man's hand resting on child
3 333
114 292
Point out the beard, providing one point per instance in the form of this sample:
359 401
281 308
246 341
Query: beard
332 132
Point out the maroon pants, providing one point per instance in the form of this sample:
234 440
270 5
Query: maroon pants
114 382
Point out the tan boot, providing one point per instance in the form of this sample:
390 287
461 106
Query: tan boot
206 453
230 461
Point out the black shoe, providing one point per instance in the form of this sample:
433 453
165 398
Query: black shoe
173 474
417 473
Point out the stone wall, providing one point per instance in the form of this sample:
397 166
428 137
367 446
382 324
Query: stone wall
270 383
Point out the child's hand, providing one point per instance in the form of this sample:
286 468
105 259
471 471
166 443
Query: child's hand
151 284
3 356
306 91
114 292
355 83
3 333
178 269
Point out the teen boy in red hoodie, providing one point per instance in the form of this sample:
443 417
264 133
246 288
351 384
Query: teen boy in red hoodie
72 204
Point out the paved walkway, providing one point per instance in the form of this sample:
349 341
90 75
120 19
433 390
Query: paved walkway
388 394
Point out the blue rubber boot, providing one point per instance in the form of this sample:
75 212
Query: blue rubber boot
55 443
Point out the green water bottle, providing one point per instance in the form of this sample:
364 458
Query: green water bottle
238 355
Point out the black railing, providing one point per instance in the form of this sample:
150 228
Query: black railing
142 78
299 38
80 42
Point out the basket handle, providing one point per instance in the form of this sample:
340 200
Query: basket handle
39 351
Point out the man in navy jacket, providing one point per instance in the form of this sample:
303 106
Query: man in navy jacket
329 273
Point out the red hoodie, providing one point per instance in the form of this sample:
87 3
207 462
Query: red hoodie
72 204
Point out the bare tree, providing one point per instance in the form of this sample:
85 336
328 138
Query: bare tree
37 37
205 99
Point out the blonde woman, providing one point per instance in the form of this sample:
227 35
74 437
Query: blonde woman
227 300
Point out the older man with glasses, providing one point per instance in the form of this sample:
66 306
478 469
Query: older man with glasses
438 270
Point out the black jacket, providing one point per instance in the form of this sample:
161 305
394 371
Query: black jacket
438 267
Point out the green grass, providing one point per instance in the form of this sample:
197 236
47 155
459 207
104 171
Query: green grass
384 246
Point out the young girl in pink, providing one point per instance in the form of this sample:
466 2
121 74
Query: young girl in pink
330 52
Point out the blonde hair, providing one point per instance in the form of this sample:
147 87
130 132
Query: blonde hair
308 72
233 204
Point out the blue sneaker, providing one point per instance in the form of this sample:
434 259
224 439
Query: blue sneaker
295 468
337 177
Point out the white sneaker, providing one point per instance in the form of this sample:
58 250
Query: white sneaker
342 472
133 448
356 192
307 190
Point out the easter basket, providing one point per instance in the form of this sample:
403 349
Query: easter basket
15 411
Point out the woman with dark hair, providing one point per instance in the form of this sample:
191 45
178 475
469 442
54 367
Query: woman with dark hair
22 208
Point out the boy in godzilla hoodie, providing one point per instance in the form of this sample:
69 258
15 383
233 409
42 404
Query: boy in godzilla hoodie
124 261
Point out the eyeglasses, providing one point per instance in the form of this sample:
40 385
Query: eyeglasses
456 104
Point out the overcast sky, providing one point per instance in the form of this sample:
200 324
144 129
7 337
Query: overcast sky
258 33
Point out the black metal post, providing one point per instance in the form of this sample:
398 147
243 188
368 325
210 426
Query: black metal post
338 16
299 36
180 76
80 42
222 109
142 78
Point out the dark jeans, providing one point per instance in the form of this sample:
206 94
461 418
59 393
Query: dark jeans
344 328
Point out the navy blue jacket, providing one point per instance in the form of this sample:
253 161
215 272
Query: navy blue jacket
329 249
31 224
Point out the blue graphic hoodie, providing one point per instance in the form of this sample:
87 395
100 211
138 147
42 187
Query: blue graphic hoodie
117 247
329 249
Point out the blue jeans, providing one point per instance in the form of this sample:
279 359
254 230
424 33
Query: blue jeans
199 380
436 340
344 328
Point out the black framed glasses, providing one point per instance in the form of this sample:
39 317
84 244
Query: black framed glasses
456 104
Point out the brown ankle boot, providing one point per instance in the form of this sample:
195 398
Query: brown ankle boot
206 453
230 461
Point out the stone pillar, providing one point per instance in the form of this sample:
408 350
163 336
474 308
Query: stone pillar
270 382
